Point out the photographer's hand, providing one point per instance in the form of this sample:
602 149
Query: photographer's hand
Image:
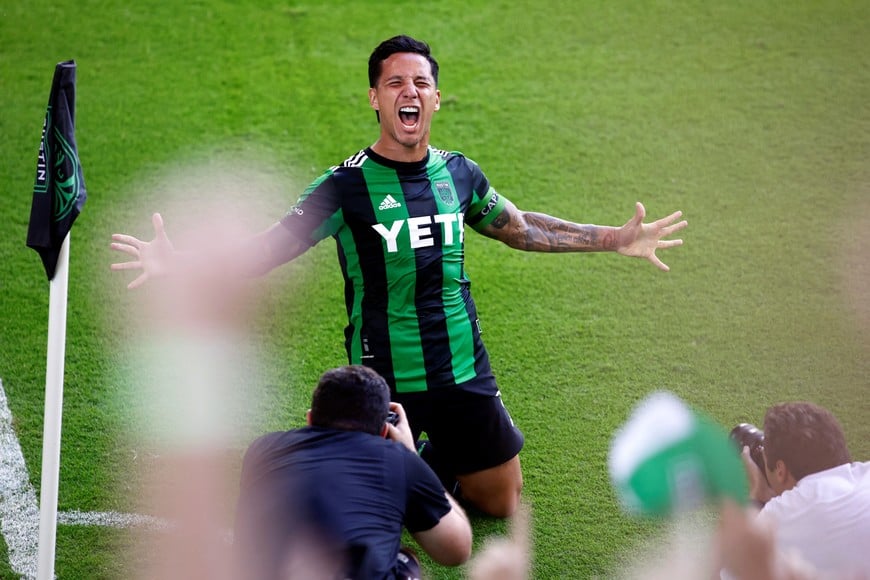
401 431
759 489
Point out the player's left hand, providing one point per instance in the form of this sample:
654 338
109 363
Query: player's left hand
641 240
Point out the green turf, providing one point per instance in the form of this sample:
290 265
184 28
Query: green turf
751 117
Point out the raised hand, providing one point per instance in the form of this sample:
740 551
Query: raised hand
641 240
152 258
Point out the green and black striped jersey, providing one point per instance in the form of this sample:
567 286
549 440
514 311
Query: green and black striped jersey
399 228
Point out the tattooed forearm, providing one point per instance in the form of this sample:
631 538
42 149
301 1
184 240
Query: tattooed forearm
545 233
538 232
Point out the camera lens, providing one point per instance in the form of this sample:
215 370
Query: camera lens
748 435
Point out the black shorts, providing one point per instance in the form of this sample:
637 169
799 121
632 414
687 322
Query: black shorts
469 431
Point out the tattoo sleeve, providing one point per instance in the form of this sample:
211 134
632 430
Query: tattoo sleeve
543 233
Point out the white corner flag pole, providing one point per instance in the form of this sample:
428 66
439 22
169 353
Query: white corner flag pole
53 410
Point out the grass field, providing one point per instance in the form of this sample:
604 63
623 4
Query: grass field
751 117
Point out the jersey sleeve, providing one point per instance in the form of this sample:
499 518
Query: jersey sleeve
427 503
486 202
317 213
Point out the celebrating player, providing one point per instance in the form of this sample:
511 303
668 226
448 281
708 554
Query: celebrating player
398 211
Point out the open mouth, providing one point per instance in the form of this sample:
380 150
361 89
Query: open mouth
409 115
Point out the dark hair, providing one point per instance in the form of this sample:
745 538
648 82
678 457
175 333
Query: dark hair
351 398
805 437
395 45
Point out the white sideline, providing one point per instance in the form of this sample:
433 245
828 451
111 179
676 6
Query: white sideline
19 511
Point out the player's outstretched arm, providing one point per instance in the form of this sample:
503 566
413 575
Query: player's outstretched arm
537 232
251 257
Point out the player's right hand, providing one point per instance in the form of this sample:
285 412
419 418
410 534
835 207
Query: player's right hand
152 258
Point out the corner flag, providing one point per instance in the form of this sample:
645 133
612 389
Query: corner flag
59 191
58 197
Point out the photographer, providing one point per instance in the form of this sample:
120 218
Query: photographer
330 500
813 496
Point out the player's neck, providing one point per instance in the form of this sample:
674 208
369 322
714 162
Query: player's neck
398 152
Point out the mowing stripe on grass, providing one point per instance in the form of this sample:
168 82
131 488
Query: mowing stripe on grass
19 511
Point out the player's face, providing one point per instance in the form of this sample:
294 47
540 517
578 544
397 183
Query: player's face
406 98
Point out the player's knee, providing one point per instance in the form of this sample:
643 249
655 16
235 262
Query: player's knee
504 504
499 501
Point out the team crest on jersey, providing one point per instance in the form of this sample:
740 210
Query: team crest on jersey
445 192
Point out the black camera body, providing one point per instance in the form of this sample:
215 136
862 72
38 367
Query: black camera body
748 435
393 418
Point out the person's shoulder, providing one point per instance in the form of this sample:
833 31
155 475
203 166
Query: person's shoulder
268 439
355 161
856 473
448 154
264 449
272 440
846 472
352 163
456 159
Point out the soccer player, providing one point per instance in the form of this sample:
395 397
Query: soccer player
398 211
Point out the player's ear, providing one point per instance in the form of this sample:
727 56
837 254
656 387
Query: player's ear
437 100
308 417
373 99
385 431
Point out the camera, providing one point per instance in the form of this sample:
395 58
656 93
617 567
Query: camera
748 435
393 418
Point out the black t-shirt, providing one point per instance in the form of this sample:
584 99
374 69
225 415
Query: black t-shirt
323 497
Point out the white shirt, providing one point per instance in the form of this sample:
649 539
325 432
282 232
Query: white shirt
826 519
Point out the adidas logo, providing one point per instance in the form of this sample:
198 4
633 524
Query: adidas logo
389 203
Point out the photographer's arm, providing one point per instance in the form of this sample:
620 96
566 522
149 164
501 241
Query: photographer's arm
449 541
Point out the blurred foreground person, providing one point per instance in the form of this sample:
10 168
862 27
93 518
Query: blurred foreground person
188 381
506 558
814 497
330 500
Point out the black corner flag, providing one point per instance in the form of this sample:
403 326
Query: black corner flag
59 191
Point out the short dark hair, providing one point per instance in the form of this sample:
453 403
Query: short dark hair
351 398
395 45
807 438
